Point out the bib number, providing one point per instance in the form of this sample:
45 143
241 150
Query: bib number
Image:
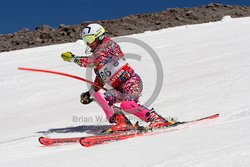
110 69
105 74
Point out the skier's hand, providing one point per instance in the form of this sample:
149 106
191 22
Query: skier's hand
85 98
67 56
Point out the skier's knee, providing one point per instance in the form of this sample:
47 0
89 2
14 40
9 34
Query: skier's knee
129 106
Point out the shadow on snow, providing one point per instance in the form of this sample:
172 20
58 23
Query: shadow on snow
91 129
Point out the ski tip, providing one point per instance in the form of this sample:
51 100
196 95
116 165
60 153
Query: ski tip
40 139
83 142
45 141
215 115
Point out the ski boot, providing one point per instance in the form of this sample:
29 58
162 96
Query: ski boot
122 123
157 121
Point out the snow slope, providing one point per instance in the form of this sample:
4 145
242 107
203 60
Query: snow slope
206 71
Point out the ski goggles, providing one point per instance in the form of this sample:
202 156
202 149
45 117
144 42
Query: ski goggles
88 39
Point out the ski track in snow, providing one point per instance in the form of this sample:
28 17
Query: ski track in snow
206 71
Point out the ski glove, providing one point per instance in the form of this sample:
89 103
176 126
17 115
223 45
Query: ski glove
85 98
68 56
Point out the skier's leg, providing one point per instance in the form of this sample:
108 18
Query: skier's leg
132 90
133 108
145 114
108 110
113 114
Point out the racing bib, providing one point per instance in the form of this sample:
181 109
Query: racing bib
112 70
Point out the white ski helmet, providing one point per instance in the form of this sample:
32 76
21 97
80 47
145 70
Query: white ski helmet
91 32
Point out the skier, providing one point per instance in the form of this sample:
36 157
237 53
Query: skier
110 68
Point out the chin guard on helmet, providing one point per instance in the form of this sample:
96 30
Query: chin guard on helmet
88 50
91 33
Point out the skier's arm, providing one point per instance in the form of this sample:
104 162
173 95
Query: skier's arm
86 61
118 54
83 61
85 97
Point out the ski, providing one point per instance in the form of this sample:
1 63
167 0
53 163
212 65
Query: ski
110 137
107 138
52 141
201 119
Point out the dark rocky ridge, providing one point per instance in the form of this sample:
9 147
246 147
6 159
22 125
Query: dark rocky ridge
46 35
